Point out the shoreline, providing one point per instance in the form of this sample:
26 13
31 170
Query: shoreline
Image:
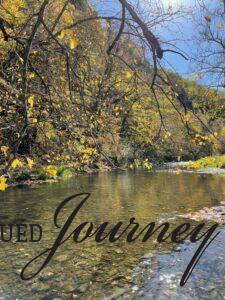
182 167
173 167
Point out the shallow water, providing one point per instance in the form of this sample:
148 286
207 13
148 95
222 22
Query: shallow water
98 271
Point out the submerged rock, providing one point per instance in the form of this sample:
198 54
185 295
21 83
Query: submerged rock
205 282
118 277
47 276
118 292
82 288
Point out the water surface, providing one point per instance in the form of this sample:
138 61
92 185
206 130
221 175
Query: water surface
99 271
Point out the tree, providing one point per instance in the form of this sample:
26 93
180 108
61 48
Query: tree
82 89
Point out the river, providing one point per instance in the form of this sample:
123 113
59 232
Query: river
114 270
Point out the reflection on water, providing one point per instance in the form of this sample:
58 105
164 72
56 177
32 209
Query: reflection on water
91 270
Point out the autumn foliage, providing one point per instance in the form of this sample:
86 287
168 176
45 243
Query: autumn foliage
66 101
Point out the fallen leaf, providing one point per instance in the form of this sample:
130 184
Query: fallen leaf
221 26
208 19
200 74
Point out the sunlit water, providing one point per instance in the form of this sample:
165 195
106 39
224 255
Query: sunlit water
116 270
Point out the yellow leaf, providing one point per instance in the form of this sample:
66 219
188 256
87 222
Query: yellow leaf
128 74
221 26
108 23
186 118
4 149
208 19
167 135
62 35
30 101
32 75
136 106
34 52
3 184
16 163
73 43
30 163
50 170
200 74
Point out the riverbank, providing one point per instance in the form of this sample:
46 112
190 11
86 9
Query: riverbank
184 167
205 165
51 174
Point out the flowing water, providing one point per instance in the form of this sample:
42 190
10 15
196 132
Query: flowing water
106 270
